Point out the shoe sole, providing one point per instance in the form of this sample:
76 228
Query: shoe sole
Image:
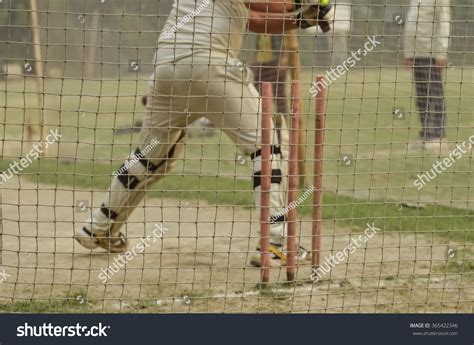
273 263
91 245
277 263
86 242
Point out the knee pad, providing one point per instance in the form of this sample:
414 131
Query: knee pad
131 181
149 170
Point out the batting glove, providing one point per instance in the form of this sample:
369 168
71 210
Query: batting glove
314 14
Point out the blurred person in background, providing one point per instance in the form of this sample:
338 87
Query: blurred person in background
271 66
426 42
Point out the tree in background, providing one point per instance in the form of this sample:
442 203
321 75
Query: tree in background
14 31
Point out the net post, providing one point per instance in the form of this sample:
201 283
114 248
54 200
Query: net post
265 181
39 73
320 108
295 69
293 182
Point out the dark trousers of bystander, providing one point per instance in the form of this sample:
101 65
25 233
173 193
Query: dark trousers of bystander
430 99
277 77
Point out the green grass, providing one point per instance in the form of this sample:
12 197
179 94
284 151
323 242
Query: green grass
344 210
359 123
72 303
460 267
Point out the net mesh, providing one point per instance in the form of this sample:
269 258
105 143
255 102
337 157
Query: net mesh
397 208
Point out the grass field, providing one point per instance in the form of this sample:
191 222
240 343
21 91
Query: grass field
377 185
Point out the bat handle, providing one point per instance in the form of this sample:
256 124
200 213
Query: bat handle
324 25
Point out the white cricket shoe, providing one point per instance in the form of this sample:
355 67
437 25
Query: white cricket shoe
432 146
92 241
278 256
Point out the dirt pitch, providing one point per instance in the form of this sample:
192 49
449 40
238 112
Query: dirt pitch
200 264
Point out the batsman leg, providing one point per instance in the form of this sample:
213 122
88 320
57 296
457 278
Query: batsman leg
236 108
162 138
127 189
